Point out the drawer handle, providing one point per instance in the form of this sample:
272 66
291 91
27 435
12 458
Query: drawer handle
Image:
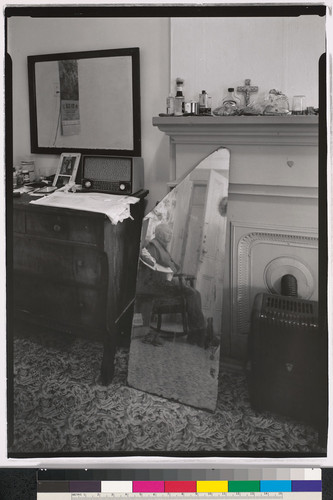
57 228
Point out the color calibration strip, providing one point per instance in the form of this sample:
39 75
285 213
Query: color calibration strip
179 486
303 484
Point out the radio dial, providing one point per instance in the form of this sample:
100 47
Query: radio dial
122 187
87 184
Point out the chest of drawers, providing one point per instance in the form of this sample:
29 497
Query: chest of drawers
75 272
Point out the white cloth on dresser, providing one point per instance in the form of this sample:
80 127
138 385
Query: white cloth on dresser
115 207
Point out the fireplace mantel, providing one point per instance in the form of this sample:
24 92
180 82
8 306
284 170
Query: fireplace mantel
297 130
236 131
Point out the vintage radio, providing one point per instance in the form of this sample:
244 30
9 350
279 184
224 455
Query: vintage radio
112 174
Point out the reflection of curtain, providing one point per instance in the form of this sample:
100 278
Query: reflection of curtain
69 97
163 212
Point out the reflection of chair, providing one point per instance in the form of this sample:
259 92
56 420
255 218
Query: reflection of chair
173 305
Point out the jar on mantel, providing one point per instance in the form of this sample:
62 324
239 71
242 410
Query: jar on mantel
205 104
230 104
170 105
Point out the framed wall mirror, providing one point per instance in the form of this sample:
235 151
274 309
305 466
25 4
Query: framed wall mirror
85 102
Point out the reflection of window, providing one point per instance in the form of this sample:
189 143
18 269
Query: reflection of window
193 241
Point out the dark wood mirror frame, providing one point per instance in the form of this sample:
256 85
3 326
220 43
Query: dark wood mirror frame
132 142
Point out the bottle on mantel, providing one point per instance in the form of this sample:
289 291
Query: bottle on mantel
230 104
203 102
179 98
170 105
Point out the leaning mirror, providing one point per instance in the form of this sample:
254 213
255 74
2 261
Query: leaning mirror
177 322
85 101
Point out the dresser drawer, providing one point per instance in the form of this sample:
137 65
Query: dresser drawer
59 304
59 262
77 228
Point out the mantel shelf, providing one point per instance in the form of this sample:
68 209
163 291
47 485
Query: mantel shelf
251 130
194 137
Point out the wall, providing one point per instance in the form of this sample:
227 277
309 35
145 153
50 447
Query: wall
210 53
275 53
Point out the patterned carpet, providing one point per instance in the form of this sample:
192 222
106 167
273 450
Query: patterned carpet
61 408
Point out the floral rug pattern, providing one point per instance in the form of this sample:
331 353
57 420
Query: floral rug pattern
60 407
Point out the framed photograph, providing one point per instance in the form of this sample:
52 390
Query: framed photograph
67 169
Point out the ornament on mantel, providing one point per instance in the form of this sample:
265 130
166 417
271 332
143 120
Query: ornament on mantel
276 103
247 90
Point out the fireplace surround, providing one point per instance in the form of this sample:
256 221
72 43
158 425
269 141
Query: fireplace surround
272 208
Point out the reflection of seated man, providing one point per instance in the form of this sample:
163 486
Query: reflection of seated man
158 285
